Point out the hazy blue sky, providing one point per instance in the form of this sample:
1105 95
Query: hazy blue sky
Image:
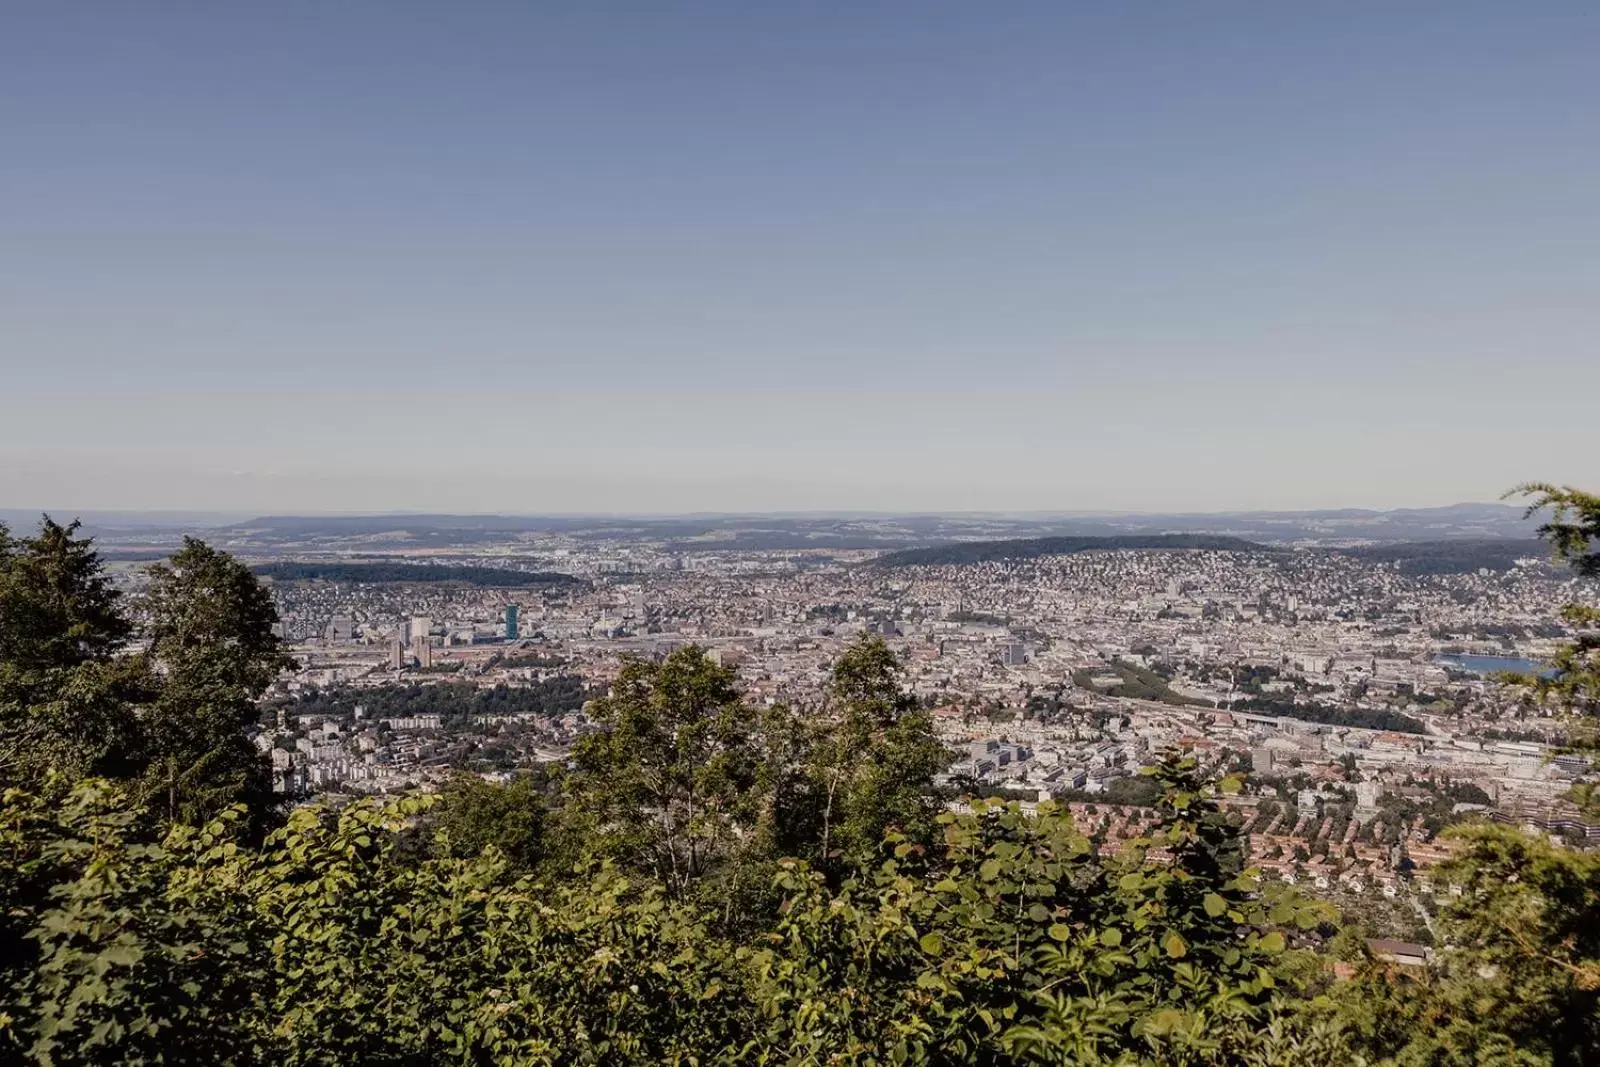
687 256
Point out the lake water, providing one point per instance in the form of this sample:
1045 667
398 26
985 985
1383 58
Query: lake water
1490 664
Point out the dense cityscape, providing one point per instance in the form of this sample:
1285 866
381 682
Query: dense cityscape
1360 695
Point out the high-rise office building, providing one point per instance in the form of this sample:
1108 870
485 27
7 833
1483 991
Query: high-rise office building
421 626
511 622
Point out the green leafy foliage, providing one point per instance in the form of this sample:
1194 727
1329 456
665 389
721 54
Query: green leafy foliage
1572 682
867 766
330 945
109 954
1519 982
673 782
1008 940
210 628
473 815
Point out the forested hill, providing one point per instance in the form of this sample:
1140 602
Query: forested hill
489 577
1458 556
452 700
1034 547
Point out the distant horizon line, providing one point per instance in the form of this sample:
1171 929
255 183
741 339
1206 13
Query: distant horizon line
195 514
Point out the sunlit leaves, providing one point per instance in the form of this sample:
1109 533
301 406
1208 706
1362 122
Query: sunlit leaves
1010 944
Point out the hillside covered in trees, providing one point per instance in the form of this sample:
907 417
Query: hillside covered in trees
706 881
389 571
959 552
453 700
1458 556
1455 556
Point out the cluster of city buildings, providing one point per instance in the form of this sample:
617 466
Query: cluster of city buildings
1056 676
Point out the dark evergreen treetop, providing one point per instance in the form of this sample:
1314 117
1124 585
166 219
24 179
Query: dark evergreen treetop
169 715
57 607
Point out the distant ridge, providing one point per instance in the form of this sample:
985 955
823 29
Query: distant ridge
960 552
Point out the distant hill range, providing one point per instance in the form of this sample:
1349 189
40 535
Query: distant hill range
695 532
275 535
962 552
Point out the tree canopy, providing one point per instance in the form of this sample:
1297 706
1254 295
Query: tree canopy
390 571
168 715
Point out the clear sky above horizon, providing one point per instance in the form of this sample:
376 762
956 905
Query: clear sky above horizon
660 256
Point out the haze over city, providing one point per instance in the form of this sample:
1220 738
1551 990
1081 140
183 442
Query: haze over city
734 257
